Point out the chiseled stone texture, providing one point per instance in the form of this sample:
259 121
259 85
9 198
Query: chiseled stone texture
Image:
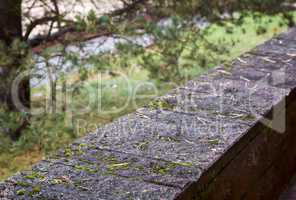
184 138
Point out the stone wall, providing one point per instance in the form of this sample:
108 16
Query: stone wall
228 134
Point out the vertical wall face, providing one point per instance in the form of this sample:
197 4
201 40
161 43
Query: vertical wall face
259 166
229 134
263 160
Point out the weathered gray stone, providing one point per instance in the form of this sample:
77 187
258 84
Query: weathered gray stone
189 144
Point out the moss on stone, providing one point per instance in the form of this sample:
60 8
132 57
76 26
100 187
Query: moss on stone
142 146
160 169
86 161
34 175
86 169
21 192
214 142
118 166
111 159
168 139
140 168
183 164
36 190
23 184
161 104
68 152
248 117
166 168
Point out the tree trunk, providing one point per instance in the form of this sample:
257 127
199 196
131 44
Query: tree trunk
10 30
10 20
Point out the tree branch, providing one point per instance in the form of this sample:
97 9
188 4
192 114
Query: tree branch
128 7
37 22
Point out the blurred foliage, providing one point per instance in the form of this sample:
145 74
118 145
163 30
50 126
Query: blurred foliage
179 52
212 8
176 48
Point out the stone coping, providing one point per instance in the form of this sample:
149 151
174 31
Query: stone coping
216 137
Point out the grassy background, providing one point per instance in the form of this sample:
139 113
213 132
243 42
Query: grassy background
50 132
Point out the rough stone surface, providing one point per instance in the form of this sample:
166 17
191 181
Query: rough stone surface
203 140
